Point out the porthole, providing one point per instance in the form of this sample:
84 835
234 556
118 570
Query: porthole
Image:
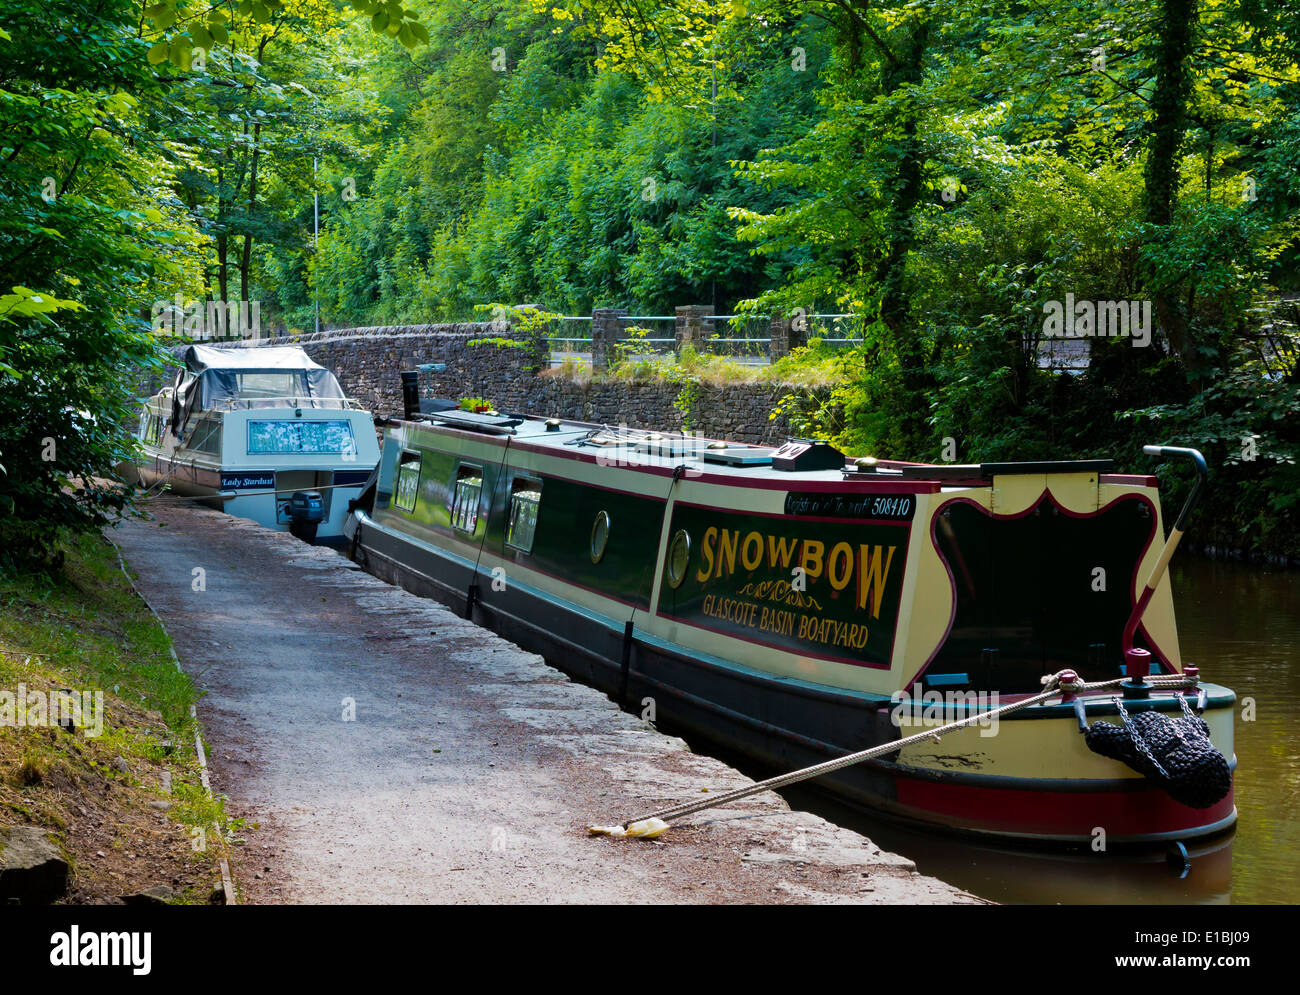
599 536
679 558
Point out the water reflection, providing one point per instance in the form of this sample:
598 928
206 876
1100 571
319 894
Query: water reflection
1241 625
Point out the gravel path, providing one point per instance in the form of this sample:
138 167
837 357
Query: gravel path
383 750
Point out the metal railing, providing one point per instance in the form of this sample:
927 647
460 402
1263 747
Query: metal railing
570 338
286 401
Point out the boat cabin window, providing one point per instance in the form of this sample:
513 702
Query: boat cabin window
207 437
150 428
408 481
599 536
290 383
679 558
298 435
525 500
465 498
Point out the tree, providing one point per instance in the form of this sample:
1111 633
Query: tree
87 228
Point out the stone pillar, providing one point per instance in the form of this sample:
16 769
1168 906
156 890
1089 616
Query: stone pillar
692 328
536 354
779 337
606 330
799 322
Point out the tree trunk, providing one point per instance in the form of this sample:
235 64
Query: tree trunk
906 189
1176 23
905 193
222 279
223 239
246 257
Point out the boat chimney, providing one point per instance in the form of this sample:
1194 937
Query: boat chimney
410 393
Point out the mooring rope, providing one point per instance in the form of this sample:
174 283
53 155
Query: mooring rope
155 489
1054 685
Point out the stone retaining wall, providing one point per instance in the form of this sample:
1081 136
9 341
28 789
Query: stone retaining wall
513 374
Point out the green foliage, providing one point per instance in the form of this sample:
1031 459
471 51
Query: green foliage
149 150
529 321
182 29
1037 151
500 343
544 179
941 172
88 225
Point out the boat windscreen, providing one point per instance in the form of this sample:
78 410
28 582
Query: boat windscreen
265 385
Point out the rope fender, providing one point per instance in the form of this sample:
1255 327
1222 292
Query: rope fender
1175 753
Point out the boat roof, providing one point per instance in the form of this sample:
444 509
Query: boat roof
228 378
742 462
198 358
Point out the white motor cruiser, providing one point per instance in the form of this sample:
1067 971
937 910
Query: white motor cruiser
266 433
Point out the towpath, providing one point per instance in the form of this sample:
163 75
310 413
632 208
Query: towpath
382 749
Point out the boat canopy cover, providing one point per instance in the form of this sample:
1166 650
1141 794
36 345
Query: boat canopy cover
268 376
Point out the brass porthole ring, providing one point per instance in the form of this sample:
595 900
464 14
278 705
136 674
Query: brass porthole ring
679 558
599 536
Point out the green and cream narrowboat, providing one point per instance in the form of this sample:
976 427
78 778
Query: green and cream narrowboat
795 606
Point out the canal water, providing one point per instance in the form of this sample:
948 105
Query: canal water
1240 623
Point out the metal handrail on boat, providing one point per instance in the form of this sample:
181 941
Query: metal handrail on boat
625 436
229 495
291 401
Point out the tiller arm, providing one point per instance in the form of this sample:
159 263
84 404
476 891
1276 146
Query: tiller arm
1175 536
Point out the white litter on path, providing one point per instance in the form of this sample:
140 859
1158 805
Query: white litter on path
646 829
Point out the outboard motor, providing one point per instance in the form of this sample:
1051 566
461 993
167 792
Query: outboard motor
306 512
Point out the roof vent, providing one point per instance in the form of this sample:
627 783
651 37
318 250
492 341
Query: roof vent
802 455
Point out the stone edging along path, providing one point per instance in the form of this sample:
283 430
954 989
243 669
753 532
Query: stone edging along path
223 865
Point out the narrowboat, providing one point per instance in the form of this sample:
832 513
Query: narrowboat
263 433
796 605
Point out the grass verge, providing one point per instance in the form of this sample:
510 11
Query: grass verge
125 803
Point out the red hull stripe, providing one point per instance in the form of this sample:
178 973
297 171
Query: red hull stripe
1057 813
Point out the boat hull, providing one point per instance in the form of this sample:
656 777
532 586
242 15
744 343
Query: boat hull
265 506
1034 780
